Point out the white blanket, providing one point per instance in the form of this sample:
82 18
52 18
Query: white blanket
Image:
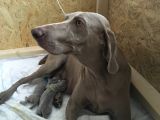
12 70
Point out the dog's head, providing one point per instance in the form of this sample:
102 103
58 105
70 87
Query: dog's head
79 31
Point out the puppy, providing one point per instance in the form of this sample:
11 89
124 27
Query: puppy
58 99
45 106
35 97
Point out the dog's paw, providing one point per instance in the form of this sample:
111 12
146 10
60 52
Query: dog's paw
4 96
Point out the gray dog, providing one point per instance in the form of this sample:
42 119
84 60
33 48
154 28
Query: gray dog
96 71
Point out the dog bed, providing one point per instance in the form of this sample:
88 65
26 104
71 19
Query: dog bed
12 70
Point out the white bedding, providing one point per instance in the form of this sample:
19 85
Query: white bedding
12 70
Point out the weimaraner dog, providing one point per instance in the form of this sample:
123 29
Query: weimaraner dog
97 73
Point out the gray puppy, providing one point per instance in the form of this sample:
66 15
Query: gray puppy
58 99
46 100
35 97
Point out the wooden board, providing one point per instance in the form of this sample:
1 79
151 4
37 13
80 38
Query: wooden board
103 8
147 94
21 52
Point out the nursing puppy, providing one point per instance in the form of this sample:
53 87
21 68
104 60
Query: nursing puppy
40 88
35 97
46 100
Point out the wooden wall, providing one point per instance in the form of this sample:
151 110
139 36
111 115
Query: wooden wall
17 17
137 27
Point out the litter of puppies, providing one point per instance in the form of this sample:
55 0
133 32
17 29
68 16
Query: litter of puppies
47 93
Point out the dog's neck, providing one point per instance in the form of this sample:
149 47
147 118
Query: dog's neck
93 58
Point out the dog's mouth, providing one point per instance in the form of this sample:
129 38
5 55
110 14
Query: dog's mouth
50 45
52 48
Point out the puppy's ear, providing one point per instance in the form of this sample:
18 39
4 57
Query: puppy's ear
111 54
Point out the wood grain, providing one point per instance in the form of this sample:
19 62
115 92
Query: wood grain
18 17
21 52
136 24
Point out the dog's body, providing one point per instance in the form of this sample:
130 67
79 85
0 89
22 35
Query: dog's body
97 74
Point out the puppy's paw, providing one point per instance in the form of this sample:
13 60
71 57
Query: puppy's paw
38 112
43 113
33 106
57 104
23 102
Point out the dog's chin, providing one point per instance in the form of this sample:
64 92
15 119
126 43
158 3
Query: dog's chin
57 52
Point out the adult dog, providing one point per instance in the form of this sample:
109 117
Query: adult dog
97 74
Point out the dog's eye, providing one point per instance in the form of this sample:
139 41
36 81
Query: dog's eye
78 22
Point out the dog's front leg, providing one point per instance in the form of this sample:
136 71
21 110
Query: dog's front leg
52 63
73 107
75 104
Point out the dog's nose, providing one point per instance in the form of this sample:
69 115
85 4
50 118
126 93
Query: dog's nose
37 33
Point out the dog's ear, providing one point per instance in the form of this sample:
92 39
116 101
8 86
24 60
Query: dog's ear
43 60
111 53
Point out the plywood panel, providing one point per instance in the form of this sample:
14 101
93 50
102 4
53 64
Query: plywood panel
137 27
103 7
17 17
22 52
